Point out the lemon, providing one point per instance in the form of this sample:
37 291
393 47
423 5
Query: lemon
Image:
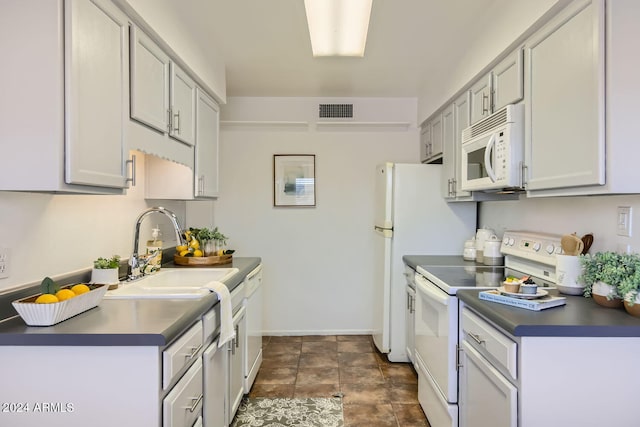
194 244
80 288
184 252
197 252
181 248
64 294
46 299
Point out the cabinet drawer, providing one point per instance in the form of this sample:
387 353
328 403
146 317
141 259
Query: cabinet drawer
210 324
489 341
183 405
181 353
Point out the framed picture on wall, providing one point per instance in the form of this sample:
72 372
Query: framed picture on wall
294 180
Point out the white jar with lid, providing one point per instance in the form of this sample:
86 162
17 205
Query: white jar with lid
492 254
469 251
482 235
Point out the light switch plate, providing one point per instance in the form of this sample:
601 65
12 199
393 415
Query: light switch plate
624 221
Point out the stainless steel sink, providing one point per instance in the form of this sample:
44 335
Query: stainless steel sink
172 283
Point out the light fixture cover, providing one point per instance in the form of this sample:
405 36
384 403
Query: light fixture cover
338 27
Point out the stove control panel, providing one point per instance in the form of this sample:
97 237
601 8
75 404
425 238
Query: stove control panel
533 246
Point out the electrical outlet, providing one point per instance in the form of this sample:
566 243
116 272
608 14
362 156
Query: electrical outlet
624 221
4 262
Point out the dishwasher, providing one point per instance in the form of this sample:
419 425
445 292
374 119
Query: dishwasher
253 337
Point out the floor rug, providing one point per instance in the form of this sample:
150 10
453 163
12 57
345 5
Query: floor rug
310 412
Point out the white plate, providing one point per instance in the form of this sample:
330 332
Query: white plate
539 294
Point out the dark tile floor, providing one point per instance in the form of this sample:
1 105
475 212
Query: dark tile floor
376 393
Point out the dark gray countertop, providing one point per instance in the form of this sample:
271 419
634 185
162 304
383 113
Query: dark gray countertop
580 317
143 322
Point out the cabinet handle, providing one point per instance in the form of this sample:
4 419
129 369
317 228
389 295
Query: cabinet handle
454 183
476 338
413 305
169 120
485 105
523 174
458 350
195 401
409 302
132 178
234 344
237 335
176 125
194 351
201 184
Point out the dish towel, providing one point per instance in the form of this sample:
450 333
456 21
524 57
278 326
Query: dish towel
227 331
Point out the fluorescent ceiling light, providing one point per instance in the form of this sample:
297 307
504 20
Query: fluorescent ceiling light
338 27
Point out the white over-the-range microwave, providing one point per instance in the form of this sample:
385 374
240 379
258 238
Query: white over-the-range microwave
492 151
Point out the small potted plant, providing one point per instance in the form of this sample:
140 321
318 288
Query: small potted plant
105 271
603 272
629 287
611 278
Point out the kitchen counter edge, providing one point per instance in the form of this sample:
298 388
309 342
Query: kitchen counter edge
134 322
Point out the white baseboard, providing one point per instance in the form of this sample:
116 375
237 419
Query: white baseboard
317 332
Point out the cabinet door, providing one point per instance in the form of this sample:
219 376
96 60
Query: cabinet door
149 82
215 366
508 83
96 93
425 142
183 104
462 110
236 372
207 132
410 316
448 152
436 136
564 127
486 397
481 99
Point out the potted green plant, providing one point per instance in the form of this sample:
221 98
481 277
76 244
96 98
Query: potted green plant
610 276
105 271
629 287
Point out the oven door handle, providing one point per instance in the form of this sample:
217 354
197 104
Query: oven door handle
425 288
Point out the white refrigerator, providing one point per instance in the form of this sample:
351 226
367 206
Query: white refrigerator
411 218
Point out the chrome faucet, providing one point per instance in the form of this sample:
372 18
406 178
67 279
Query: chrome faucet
135 262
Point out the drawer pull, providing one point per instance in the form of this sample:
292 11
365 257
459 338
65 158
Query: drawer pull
195 401
476 338
194 351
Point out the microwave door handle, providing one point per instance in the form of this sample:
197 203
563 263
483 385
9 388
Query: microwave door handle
487 158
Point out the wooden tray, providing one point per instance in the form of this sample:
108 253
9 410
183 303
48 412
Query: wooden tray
202 261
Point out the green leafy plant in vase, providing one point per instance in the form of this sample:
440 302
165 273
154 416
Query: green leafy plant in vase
606 275
105 271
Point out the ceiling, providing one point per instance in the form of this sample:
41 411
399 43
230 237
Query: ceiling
267 51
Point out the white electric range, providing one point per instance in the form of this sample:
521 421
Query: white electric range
436 315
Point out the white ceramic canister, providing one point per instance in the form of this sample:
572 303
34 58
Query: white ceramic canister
482 234
492 254
568 270
469 251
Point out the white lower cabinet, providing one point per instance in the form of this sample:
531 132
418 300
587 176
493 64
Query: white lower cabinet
215 366
486 397
410 319
183 405
236 349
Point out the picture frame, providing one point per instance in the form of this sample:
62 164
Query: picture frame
294 180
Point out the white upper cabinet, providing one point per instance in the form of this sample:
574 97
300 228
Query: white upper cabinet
436 137
462 117
481 98
448 152
207 134
507 81
162 94
65 94
425 142
149 82
183 105
97 93
503 85
564 125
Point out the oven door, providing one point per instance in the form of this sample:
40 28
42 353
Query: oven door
436 324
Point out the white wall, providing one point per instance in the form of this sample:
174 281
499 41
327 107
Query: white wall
317 261
560 215
50 235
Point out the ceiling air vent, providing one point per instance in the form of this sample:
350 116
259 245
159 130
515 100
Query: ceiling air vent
336 111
